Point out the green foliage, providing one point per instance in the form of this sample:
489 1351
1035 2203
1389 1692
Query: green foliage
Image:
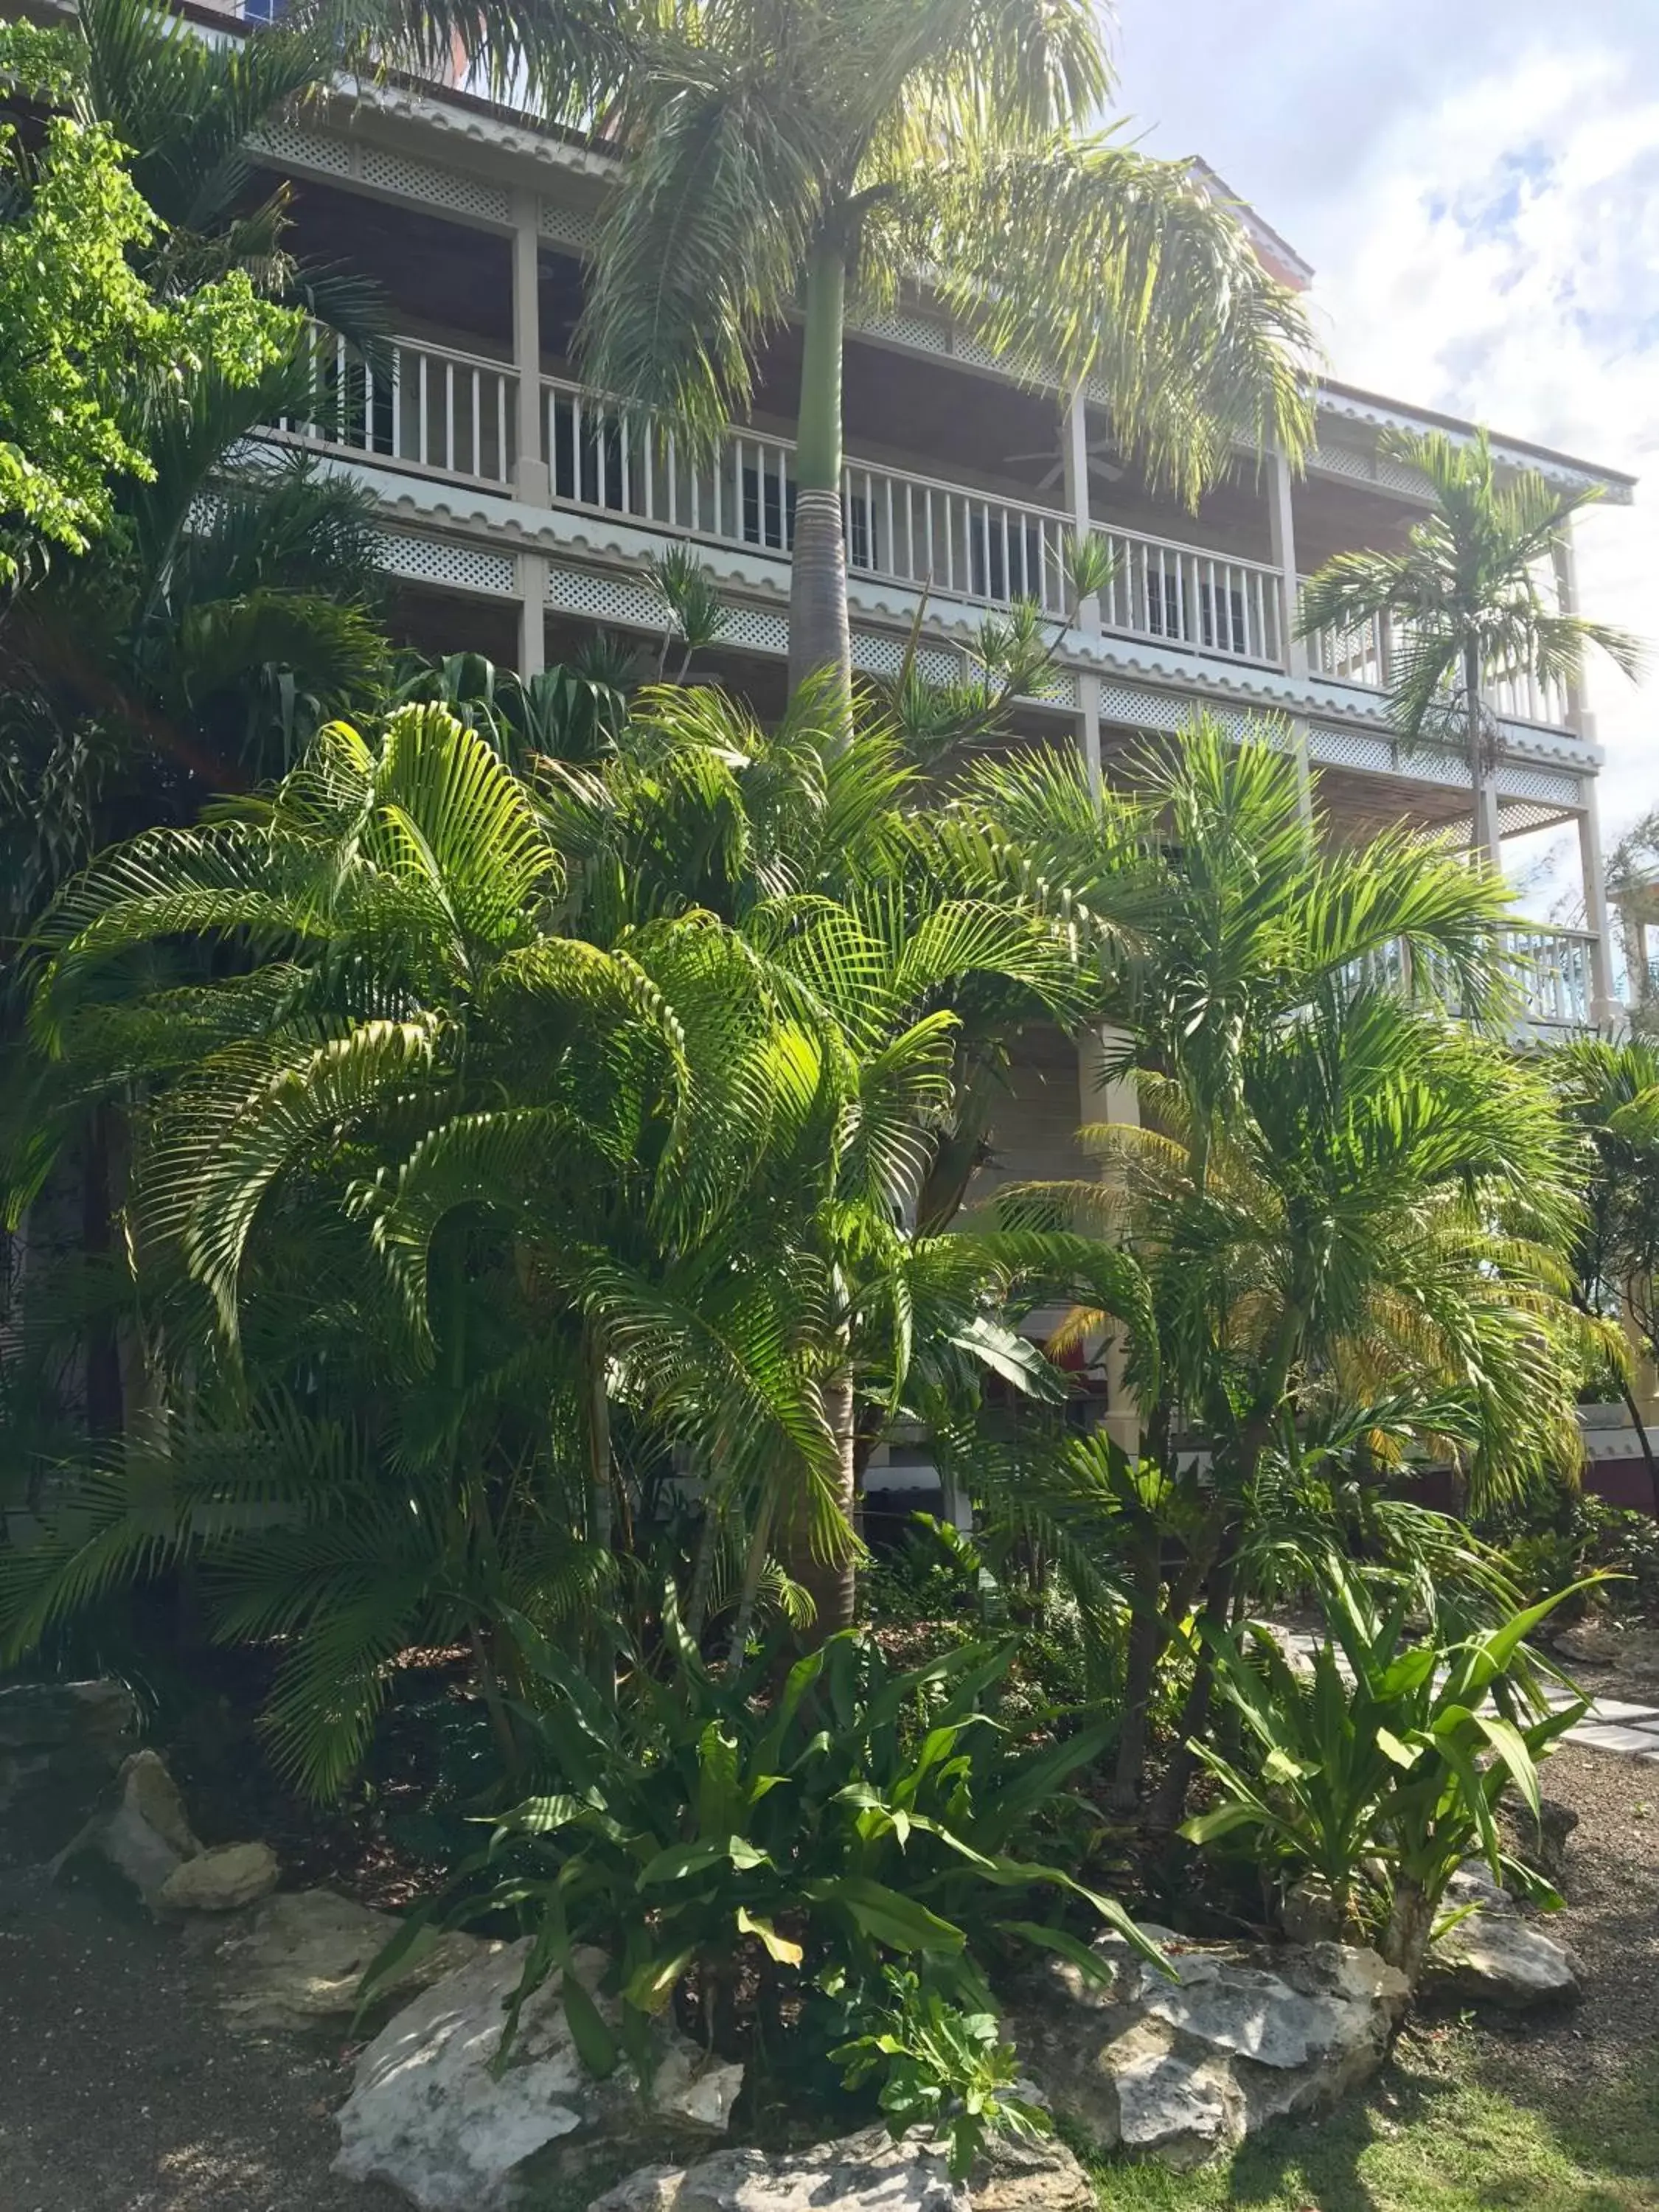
89 340
1379 1767
798 1845
940 2068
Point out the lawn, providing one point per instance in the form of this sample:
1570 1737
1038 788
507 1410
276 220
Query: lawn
1439 2133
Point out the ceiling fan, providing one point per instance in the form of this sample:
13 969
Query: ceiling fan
1102 463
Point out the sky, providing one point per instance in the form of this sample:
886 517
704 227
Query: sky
1476 183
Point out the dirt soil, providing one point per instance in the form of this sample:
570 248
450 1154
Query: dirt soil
122 2090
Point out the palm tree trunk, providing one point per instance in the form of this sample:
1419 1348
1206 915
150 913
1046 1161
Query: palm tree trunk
831 1582
1485 803
818 635
597 1412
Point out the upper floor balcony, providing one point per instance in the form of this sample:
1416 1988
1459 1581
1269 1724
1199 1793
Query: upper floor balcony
455 415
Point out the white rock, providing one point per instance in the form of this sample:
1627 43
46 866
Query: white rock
303 1955
220 1881
864 2172
1183 2070
1492 1956
427 2112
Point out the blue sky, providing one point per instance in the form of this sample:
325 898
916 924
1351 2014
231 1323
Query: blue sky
1476 183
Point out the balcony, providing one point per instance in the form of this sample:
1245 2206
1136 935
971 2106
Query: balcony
1368 656
1551 968
454 415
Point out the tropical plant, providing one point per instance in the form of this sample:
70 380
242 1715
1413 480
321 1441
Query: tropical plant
942 2068
820 158
1467 600
1349 1209
1378 1767
1610 1093
404 1130
92 337
775 1855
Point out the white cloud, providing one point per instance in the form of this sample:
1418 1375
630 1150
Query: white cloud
1478 190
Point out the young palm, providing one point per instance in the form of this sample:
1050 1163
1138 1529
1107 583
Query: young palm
813 159
1470 600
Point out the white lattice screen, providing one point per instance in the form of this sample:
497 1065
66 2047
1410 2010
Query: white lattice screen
445 560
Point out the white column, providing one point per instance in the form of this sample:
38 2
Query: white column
1605 1010
1074 453
1292 649
1117 1101
530 477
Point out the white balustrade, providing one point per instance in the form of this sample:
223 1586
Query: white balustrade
1179 595
1551 968
426 407
1368 656
953 542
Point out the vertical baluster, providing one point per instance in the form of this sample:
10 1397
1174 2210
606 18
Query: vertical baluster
720 472
927 508
909 568
422 394
503 472
695 475
671 462
648 448
449 416
1007 562
624 432
890 564
397 402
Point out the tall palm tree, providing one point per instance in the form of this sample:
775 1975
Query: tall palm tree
813 159
425 1190
1472 599
1248 971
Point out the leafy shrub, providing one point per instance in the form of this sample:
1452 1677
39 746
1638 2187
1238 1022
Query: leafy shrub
1565 1536
775 1857
943 2068
1379 1768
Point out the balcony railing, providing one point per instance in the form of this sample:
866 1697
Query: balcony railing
455 415
1552 969
428 407
1368 656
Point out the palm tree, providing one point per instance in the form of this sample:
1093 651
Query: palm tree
813 159
1302 1189
422 1193
1609 1092
1466 602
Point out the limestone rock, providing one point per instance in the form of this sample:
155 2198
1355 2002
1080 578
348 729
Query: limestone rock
60 1743
1183 2068
1492 1956
428 2113
1009 2176
145 1836
220 1881
863 2172
304 1952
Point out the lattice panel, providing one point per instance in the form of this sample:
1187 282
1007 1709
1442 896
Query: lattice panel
577 226
434 187
757 631
443 560
1125 704
878 655
305 149
1514 816
917 330
1554 788
605 597
1351 749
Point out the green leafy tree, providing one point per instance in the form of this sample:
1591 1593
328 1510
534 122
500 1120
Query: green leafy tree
816 158
90 339
1470 600
1343 1202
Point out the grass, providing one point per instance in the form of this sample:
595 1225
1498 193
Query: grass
1437 2133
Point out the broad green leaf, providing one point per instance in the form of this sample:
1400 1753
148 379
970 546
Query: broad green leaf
786 1953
